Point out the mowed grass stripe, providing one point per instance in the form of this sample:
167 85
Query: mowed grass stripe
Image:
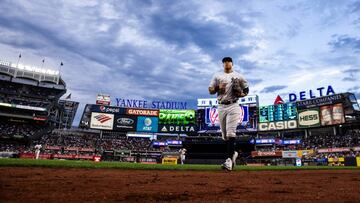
137 166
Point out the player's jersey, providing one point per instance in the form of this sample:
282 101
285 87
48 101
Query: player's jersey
225 78
182 151
38 147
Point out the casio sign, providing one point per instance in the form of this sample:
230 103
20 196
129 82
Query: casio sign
279 125
125 121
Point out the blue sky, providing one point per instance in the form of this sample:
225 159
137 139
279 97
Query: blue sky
168 50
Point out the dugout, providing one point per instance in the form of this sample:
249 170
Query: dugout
212 150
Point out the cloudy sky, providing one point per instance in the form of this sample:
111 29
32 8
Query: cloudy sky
169 50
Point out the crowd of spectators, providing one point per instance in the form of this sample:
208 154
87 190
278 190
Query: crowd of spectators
26 101
17 130
26 95
316 141
14 147
66 143
99 143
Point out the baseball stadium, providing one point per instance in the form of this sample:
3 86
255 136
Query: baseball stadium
179 101
124 150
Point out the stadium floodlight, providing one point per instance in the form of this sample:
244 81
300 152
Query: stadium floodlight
5 63
50 72
38 70
21 66
28 68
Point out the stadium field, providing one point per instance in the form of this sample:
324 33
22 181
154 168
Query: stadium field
137 166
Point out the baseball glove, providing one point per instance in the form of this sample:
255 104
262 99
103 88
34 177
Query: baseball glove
236 87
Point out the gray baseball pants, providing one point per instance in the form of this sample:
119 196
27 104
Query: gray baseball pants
229 116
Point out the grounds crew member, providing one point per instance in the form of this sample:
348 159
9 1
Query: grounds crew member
229 86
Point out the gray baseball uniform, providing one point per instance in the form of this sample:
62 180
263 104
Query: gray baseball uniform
37 151
229 114
182 155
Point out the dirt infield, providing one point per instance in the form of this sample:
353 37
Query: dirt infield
19 184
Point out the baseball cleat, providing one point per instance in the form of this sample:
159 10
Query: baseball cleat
227 165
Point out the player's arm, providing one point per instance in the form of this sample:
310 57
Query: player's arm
245 87
213 90
213 86
245 92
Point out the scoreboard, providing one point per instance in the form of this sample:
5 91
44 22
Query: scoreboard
280 112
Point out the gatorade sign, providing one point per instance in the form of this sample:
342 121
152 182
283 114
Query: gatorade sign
309 118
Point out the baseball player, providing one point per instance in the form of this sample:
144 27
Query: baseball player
182 155
37 150
229 86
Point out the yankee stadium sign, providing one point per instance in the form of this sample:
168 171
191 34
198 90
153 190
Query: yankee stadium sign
134 103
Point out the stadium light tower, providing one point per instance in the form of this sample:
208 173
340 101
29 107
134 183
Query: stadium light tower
17 64
59 72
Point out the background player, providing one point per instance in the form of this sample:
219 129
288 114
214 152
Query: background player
182 155
223 84
37 151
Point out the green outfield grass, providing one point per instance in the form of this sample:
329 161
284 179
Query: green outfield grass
136 166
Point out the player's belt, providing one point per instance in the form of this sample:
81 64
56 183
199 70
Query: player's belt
226 102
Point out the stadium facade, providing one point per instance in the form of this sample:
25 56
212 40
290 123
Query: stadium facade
31 112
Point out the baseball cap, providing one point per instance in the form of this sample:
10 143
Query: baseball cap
227 59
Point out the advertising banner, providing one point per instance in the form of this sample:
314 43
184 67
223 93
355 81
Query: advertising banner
290 154
125 123
147 124
290 142
107 109
169 161
279 125
212 116
329 150
103 99
332 114
85 118
177 121
266 153
209 102
305 152
146 104
52 147
32 156
317 102
102 121
309 118
142 112
311 93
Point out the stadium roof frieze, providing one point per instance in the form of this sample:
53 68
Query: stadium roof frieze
30 72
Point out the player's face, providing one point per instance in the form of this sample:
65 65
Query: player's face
227 65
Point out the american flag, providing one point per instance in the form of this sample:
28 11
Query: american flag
102 118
